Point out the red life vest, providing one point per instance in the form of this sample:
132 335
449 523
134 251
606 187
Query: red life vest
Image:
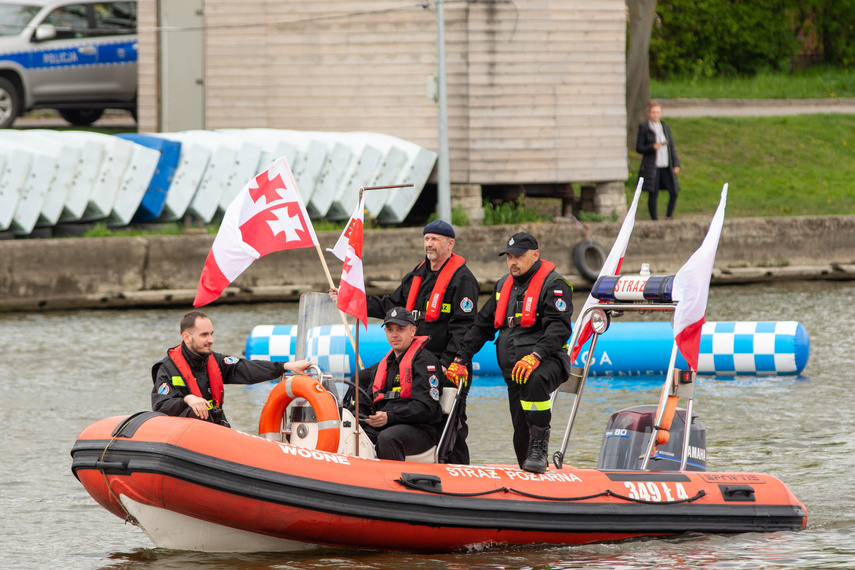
405 370
215 376
532 293
434 305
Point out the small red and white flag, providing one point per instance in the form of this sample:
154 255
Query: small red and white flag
351 291
340 248
267 215
610 267
692 289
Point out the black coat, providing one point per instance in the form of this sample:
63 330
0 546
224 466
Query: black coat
644 146
547 336
422 408
460 305
167 395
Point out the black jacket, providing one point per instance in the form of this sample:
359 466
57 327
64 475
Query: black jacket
460 304
168 397
644 146
548 335
422 407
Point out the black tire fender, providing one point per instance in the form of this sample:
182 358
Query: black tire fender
81 117
589 257
11 100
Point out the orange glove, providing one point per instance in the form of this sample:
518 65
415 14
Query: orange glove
458 374
524 367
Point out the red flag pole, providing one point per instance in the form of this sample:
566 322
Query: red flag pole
355 342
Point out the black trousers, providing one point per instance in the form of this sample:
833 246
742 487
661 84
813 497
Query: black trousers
398 441
543 381
459 453
664 181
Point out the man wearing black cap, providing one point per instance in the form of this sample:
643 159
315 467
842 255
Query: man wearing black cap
532 309
403 416
443 295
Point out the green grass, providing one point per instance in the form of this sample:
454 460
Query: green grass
327 226
511 213
815 83
775 166
100 229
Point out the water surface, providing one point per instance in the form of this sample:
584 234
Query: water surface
62 371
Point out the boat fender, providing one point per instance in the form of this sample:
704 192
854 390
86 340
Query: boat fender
663 434
589 257
322 402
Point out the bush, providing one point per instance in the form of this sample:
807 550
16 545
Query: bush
700 38
827 30
510 213
594 217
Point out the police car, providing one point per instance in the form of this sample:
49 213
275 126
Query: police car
78 57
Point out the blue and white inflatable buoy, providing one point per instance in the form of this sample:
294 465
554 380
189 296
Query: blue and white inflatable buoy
760 348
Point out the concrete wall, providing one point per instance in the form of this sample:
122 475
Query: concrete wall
164 270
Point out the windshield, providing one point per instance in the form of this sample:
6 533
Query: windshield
15 17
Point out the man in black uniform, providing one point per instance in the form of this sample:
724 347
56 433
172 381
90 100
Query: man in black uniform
189 381
532 309
403 415
442 294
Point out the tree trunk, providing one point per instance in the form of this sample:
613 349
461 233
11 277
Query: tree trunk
642 14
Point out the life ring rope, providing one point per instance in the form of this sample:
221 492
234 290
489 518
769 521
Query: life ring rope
323 403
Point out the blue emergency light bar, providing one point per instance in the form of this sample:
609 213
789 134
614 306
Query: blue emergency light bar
634 288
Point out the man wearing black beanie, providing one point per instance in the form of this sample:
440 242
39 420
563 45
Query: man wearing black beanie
442 294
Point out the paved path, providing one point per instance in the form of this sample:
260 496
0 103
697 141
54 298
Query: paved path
673 108
755 107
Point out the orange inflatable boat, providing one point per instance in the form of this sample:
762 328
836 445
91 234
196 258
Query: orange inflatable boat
309 480
195 485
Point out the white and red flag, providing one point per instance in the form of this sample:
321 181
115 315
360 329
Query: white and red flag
351 291
692 289
267 215
610 267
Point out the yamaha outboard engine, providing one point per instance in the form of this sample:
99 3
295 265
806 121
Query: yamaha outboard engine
627 434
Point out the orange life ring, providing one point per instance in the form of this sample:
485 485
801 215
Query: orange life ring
322 402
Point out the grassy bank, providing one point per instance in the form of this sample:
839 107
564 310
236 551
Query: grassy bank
815 83
775 166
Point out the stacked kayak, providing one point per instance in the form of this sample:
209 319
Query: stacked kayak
50 177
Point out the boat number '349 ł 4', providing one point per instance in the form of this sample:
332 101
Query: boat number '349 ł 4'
655 491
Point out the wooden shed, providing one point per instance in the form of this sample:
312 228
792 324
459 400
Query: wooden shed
536 88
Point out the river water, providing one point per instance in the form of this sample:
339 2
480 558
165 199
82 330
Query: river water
62 371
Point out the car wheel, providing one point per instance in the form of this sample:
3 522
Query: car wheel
10 103
81 117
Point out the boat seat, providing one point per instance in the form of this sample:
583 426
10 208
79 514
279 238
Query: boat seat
446 402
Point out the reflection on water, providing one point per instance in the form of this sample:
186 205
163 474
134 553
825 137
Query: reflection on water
62 371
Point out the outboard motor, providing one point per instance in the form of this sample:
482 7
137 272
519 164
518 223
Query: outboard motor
627 433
